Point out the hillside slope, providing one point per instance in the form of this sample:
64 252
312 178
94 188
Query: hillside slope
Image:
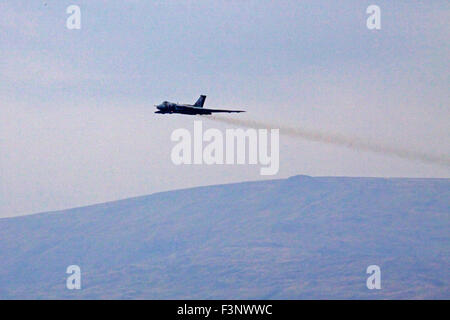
296 238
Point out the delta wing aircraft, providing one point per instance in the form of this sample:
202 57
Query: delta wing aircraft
191 109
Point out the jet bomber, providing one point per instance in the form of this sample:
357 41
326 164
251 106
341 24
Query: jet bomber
190 109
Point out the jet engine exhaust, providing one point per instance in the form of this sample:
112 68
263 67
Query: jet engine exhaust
340 140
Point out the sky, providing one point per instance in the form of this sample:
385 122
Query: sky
76 106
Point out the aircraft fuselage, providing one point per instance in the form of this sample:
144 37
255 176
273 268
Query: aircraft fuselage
190 109
182 109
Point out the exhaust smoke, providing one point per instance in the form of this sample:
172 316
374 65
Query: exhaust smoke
353 143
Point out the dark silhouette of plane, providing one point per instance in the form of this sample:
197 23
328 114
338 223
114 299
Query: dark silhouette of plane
192 109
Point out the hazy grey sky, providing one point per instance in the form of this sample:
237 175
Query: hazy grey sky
77 123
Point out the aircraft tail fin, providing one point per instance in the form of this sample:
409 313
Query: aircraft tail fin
200 102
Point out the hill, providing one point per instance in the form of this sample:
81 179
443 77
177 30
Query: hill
296 238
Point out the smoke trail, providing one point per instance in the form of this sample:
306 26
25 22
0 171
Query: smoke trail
345 141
